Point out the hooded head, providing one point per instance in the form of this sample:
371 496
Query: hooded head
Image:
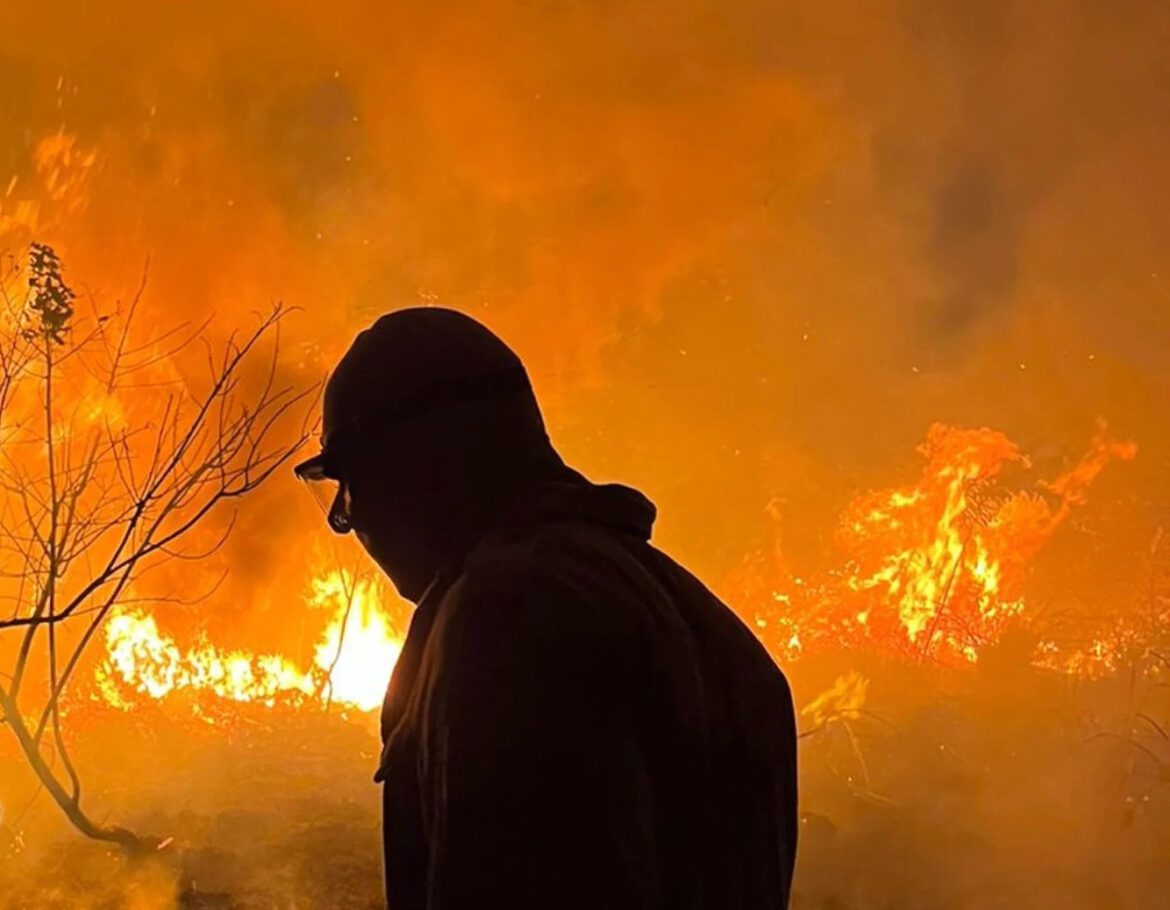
430 430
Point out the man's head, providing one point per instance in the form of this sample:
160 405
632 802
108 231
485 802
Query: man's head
429 429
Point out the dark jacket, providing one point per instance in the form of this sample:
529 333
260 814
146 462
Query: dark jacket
577 722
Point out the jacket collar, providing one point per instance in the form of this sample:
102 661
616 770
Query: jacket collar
614 506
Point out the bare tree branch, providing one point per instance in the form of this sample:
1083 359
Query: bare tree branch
96 492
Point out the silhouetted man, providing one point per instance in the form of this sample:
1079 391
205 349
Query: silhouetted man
575 721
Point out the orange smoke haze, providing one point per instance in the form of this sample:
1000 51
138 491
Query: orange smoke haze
750 251
870 298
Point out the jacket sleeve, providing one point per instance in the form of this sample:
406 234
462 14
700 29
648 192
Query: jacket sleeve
534 786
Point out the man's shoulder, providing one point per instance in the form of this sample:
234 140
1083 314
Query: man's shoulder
555 582
560 555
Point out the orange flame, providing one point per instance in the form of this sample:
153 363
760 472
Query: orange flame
352 661
934 569
841 701
359 648
917 550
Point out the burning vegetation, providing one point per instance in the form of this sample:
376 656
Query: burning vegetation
933 571
352 660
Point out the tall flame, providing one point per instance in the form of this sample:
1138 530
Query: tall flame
934 569
359 648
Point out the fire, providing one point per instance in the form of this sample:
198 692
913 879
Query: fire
918 551
352 660
141 657
934 569
360 648
843 700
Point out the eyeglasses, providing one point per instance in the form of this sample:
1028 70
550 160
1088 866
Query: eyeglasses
333 498
329 491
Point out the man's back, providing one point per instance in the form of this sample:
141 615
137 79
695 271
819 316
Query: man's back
577 722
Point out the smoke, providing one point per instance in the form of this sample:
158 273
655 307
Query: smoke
750 251
973 245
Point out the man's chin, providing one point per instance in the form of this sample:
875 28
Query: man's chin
408 589
410 576
410 584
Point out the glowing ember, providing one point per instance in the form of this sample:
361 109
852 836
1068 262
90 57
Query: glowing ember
352 664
